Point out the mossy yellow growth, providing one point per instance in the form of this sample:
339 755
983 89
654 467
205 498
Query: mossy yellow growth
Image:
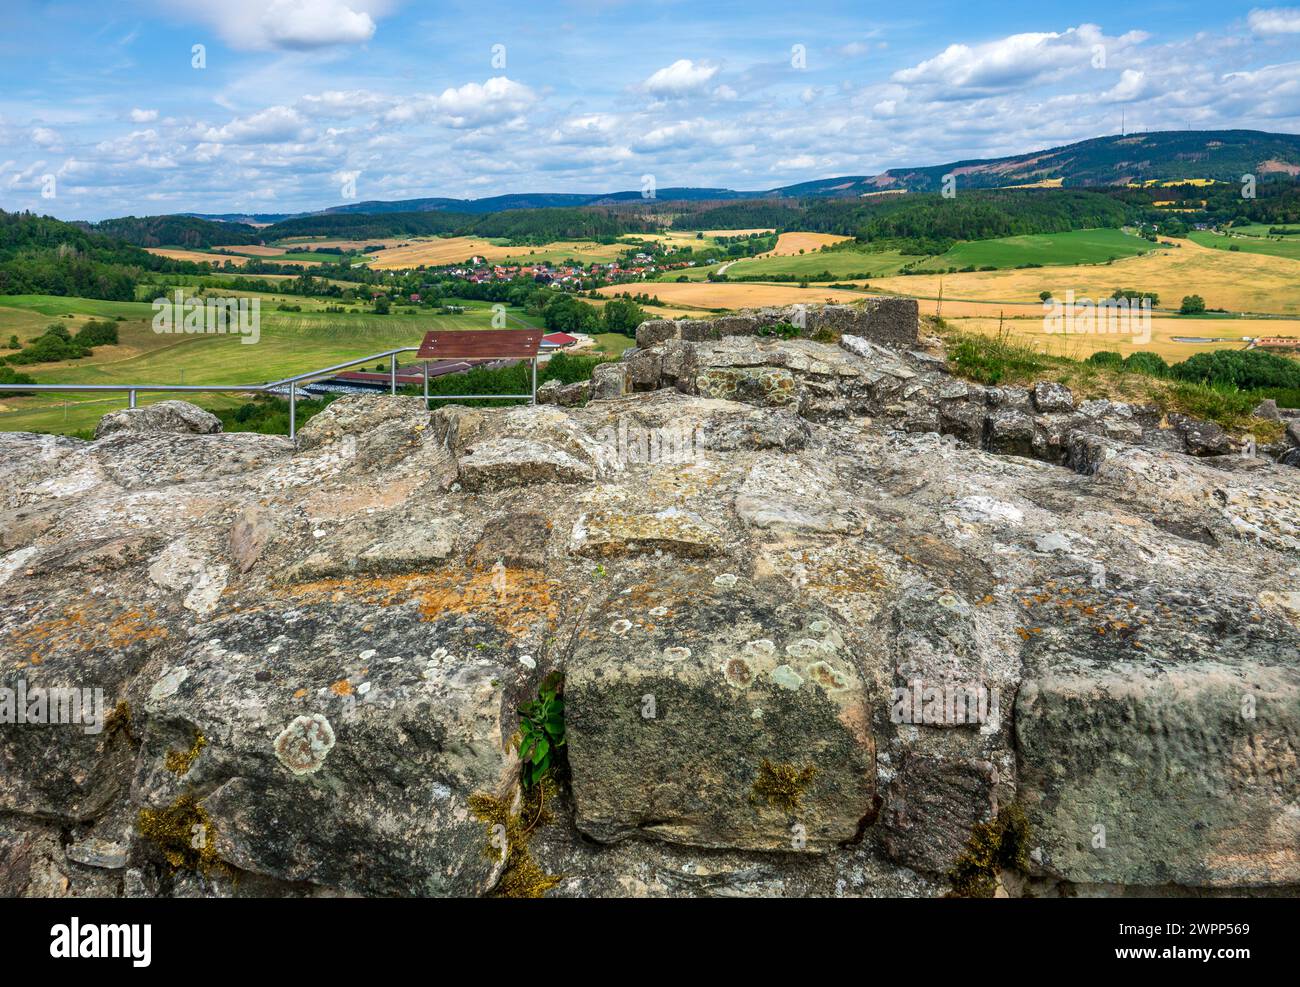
522 877
993 847
782 785
184 834
179 762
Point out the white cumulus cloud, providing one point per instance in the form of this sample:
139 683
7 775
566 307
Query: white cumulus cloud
1274 20
682 77
291 24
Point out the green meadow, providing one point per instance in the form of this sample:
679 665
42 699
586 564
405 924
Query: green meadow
1289 248
841 264
1074 247
289 343
1262 229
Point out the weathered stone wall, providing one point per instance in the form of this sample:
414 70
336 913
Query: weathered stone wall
755 578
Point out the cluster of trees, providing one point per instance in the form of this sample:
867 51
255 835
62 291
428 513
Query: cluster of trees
40 255
180 231
926 223
521 226
1245 370
562 312
10 376
57 343
749 214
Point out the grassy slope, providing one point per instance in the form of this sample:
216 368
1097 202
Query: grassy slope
1076 247
1289 248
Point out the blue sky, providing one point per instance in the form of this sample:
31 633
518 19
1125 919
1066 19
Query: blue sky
304 104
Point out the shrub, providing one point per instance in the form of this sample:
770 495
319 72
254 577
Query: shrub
1106 358
1245 369
98 333
49 348
10 376
1144 362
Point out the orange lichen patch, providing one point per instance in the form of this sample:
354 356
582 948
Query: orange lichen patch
514 604
73 630
341 688
132 626
1098 612
300 694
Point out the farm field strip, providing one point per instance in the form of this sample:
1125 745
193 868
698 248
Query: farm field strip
1276 247
790 244
1073 247
1229 334
1238 282
440 251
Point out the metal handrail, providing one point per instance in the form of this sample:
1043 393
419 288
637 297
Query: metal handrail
292 382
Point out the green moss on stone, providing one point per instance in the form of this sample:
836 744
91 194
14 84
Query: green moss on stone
992 848
782 785
184 835
179 762
522 877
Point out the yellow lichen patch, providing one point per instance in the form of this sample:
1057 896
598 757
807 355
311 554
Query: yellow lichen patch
782 785
993 847
341 688
183 833
508 833
513 599
180 762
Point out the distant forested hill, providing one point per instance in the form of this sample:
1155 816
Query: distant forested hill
975 215
41 255
177 231
536 226
1225 155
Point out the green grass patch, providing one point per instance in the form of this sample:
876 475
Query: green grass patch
1074 247
1288 248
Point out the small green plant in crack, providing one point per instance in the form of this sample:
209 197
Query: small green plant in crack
783 330
541 730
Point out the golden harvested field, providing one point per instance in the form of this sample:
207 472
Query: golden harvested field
199 257
737 232
451 250
253 250
195 255
704 295
1227 332
299 242
791 243
1237 282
